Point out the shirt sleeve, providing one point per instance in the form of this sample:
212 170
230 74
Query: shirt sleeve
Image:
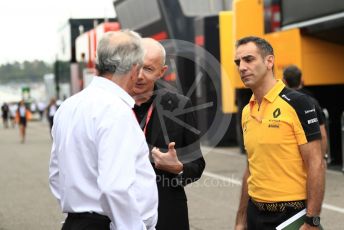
117 145
54 174
320 114
306 123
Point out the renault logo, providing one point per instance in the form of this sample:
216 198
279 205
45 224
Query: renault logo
277 112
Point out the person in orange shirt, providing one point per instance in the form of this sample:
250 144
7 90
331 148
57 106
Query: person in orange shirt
285 171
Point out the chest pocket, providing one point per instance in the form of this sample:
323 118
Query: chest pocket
276 131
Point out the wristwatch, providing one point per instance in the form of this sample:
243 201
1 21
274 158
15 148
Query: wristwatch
180 178
312 220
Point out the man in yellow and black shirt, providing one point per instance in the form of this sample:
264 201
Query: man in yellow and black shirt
285 171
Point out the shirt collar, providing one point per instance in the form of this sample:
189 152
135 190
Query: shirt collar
112 87
272 94
275 91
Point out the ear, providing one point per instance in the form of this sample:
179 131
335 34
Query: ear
163 71
270 60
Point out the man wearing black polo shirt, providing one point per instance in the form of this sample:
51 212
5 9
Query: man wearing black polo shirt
171 134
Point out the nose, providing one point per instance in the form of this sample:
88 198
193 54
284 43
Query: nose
242 67
140 74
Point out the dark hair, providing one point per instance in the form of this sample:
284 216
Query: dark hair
264 46
292 76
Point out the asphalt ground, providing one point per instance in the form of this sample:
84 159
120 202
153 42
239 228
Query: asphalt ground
26 201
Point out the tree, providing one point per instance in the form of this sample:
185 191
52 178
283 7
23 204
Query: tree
24 72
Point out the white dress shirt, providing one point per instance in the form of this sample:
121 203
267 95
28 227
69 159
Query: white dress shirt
22 111
52 110
99 158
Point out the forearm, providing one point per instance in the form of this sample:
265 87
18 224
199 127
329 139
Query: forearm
119 203
54 174
323 139
151 222
125 178
315 187
192 171
315 167
54 185
241 218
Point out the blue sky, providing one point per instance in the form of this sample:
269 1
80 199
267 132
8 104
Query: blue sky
29 27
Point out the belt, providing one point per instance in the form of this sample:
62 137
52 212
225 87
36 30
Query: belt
279 206
88 215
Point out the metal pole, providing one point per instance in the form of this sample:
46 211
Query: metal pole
57 78
342 128
327 126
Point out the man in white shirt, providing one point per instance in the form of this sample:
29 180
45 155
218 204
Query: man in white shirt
99 166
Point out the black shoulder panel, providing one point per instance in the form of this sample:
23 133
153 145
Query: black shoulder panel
305 111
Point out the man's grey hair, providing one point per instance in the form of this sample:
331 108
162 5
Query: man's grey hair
117 57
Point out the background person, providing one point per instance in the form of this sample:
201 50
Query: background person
51 110
282 138
13 111
180 160
292 77
5 112
41 107
22 117
99 168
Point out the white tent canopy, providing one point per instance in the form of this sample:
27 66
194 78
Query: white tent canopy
7 97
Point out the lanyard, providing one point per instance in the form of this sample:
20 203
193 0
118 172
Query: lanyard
148 117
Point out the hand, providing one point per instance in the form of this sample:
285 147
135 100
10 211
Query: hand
167 161
308 227
240 227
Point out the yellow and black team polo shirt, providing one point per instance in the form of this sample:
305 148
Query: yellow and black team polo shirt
273 132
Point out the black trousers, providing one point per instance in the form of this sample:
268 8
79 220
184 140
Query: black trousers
266 220
86 221
22 121
51 121
172 216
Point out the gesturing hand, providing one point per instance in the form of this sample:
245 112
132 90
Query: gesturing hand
308 227
167 161
240 227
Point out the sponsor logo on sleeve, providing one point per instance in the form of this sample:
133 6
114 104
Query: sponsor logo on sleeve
284 96
311 121
309 111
